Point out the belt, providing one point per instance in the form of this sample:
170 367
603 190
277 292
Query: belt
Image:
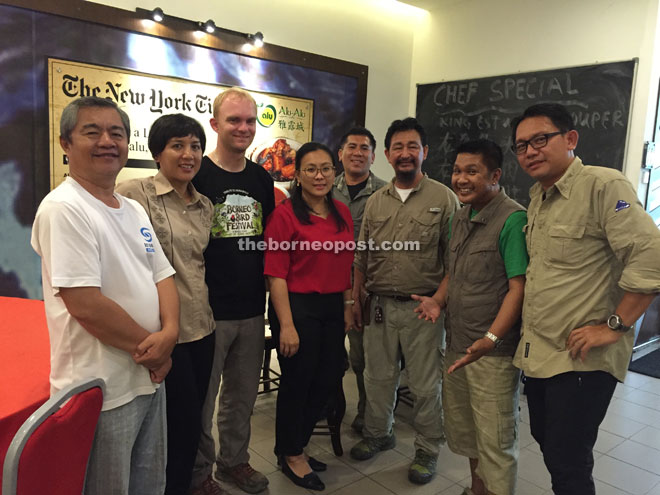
404 297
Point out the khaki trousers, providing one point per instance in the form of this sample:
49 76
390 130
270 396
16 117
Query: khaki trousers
237 362
420 342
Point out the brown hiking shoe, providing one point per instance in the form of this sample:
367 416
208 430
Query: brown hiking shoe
208 487
245 477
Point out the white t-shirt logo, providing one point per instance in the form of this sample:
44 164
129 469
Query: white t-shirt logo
148 245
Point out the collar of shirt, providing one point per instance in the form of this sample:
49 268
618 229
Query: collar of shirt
340 183
391 188
163 187
565 182
484 214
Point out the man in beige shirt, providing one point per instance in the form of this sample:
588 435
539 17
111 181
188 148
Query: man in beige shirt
411 208
594 268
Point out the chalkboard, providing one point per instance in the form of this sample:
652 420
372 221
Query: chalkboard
598 97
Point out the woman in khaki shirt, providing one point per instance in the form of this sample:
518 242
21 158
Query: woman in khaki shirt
181 218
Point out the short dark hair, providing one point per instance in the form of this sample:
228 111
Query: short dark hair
490 152
69 117
170 126
359 131
558 115
407 124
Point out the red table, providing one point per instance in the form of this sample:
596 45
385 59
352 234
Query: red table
24 365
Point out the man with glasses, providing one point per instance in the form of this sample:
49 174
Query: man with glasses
353 187
410 208
594 269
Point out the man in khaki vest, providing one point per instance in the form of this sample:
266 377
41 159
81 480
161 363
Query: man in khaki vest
482 292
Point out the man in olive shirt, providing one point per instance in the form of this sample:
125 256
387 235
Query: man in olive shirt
410 208
594 268
353 187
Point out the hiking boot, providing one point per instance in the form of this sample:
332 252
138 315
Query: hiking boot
245 477
423 467
369 447
208 487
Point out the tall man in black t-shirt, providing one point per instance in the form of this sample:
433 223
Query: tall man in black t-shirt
243 197
353 188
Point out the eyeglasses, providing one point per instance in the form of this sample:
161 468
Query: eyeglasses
311 172
537 142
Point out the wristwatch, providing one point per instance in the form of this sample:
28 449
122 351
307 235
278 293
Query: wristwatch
494 338
616 323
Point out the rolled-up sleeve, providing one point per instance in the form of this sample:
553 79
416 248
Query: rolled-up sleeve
633 237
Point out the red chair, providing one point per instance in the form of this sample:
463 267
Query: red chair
49 453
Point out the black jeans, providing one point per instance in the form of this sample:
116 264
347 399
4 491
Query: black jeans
186 385
311 376
565 412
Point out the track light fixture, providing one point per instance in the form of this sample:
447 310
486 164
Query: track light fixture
256 39
208 26
157 14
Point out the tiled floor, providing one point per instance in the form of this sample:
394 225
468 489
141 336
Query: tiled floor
627 452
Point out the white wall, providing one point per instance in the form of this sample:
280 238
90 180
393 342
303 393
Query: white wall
480 38
376 33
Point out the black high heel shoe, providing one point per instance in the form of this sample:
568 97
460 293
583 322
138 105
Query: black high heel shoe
315 464
311 481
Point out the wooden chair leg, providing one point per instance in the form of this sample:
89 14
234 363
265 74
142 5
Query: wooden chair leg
335 422
265 374
335 417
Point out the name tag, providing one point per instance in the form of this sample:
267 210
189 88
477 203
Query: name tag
435 210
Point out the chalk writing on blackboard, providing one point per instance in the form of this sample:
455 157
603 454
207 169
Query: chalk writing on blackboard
598 97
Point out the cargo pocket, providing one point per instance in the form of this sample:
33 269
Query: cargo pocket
507 421
482 258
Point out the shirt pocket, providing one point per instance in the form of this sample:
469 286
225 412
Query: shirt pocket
565 245
426 231
480 261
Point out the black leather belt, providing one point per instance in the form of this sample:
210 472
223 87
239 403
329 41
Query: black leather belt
404 298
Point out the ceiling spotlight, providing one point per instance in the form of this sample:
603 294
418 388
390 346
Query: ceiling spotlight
258 39
157 14
208 26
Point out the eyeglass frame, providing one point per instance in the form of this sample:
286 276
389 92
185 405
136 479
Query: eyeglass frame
316 170
527 143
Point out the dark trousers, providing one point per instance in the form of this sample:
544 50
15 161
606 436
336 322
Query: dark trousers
186 385
311 376
565 412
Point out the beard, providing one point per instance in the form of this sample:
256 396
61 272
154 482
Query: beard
405 176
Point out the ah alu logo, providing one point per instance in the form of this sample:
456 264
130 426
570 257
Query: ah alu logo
266 115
